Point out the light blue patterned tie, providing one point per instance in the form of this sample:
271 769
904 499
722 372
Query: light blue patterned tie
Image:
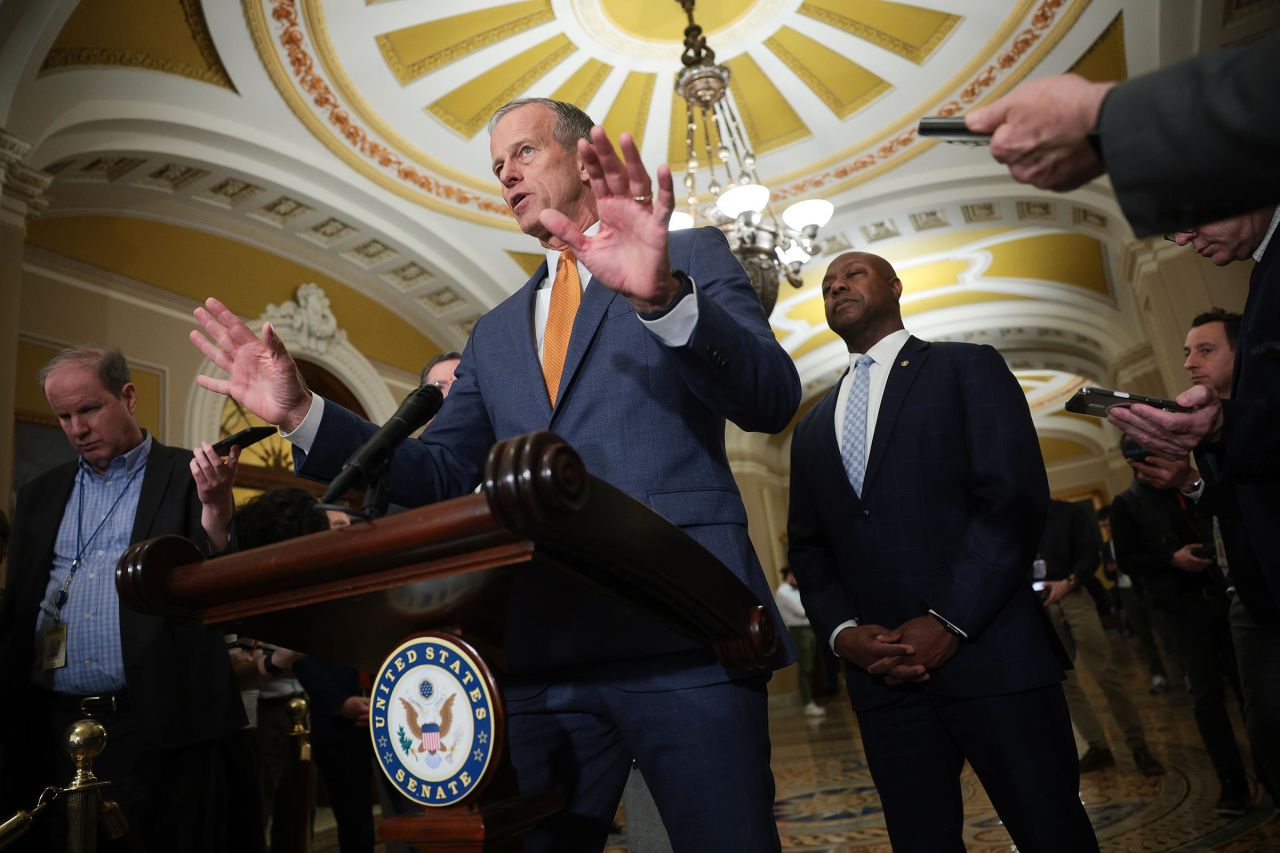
854 445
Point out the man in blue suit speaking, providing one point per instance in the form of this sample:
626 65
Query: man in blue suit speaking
918 497
635 346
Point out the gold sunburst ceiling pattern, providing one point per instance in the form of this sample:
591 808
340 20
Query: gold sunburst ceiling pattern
828 90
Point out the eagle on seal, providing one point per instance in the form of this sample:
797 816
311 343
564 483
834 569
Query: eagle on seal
430 735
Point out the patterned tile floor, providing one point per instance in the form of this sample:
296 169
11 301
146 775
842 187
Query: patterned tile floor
827 802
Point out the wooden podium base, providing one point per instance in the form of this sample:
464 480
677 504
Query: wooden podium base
492 827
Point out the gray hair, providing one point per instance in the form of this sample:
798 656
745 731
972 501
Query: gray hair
109 364
572 123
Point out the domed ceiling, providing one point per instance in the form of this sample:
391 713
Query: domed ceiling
829 91
349 136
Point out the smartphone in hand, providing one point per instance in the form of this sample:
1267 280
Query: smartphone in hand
243 439
1097 401
951 129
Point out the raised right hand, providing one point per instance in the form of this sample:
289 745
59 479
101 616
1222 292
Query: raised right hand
1040 131
262 375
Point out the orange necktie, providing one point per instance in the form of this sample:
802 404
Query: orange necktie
566 296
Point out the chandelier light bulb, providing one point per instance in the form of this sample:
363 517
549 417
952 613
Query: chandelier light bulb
679 221
793 253
814 211
745 197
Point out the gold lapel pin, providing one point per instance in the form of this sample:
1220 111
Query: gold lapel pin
904 362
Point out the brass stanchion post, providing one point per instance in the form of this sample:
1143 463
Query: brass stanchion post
85 741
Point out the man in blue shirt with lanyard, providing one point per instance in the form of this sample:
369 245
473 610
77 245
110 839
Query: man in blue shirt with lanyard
68 649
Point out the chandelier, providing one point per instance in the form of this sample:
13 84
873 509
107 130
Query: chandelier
735 199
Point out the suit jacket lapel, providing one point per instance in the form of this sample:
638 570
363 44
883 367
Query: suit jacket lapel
902 374
596 300
155 484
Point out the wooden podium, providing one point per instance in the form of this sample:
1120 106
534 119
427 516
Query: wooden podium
468 579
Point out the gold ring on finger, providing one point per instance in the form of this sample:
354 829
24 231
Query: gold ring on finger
643 199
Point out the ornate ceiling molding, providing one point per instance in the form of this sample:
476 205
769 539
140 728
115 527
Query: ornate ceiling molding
213 71
1022 43
282 35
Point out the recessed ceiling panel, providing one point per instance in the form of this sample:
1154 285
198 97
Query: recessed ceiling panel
767 114
912 32
467 108
842 84
630 110
1072 259
582 86
413 51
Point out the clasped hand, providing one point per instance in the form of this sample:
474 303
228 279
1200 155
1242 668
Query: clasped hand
903 655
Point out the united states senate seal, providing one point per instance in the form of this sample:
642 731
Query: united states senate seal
432 720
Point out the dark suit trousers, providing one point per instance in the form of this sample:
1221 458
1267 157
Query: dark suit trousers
704 752
1258 652
1021 747
1202 637
345 762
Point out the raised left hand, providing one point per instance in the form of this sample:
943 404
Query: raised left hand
629 252
214 478
1173 434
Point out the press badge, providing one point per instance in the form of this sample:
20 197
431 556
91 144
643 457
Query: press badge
55 647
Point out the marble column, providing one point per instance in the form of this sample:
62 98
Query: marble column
21 197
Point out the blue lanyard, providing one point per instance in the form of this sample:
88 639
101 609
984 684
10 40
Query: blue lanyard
82 546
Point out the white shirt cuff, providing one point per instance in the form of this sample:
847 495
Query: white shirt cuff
852 623
305 435
1198 492
676 326
951 626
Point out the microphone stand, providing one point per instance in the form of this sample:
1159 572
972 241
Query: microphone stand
377 498
371 462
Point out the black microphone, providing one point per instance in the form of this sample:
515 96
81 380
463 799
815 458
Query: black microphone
419 407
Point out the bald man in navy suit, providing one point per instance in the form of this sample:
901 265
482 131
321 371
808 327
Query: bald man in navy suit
918 497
